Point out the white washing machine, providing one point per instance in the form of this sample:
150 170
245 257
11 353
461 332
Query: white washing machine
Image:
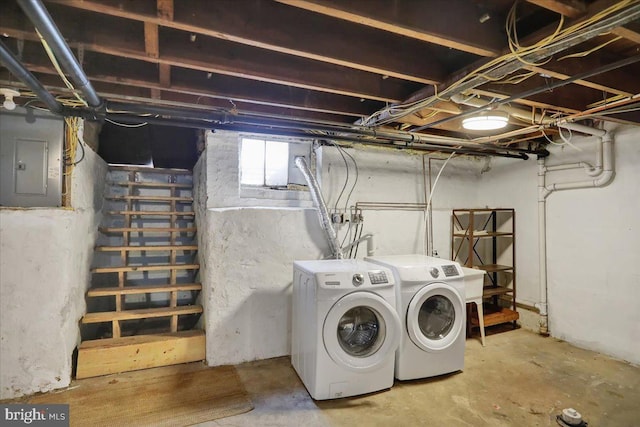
431 304
345 329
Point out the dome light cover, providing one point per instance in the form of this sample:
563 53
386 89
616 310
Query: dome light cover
487 120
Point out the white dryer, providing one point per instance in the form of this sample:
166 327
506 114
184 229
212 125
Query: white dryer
431 303
345 329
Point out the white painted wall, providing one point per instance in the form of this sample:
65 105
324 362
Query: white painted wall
247 246
593 245
44 273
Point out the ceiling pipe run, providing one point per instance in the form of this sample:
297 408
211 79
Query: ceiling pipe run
217 119
16 68
43 22
308 132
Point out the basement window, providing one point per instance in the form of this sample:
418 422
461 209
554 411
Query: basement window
267 166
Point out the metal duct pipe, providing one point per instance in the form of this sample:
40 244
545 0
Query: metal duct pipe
16 68
39 16
323 213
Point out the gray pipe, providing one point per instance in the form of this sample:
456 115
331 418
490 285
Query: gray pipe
39 16
323 213
16 68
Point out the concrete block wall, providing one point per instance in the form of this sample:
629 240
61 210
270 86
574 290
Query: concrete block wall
44 273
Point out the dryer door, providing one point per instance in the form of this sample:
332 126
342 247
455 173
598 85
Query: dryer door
361 331
435 317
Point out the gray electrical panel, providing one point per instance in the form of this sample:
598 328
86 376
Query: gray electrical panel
31 144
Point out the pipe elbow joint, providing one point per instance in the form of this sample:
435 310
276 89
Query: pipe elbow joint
605 178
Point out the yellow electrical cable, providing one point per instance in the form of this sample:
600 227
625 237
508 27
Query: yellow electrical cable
54 61
517 51
590 51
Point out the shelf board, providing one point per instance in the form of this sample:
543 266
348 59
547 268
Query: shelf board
484 234
489 291
497 317
490 268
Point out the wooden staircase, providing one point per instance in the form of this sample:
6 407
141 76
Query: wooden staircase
141 308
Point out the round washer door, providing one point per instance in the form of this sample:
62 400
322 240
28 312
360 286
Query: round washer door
361 331
435 317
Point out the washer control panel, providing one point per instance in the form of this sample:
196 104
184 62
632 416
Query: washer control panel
450 270
434 272
378 277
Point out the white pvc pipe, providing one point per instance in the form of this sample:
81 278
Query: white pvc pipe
371 247
601 174
542 247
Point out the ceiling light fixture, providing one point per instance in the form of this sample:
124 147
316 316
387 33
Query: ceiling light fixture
8 98
486 120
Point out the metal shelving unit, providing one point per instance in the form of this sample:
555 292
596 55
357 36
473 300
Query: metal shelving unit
485 239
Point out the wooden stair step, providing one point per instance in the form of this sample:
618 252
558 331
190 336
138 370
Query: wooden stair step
152 213
161 267
147 230
114 355
144 313
154 248
145 289
151 170
149 184
152 198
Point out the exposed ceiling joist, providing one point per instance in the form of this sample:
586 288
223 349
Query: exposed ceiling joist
432 23
271 26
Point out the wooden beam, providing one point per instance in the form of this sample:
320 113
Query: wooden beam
110 356
141 74
586 83
132 93
569 8
165 75
526 102
571 96
453 24
267 25
151 45
165 9
220 56
627 33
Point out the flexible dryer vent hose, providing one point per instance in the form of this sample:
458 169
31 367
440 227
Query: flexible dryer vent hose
323 213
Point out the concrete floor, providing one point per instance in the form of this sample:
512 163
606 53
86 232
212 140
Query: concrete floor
518 379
